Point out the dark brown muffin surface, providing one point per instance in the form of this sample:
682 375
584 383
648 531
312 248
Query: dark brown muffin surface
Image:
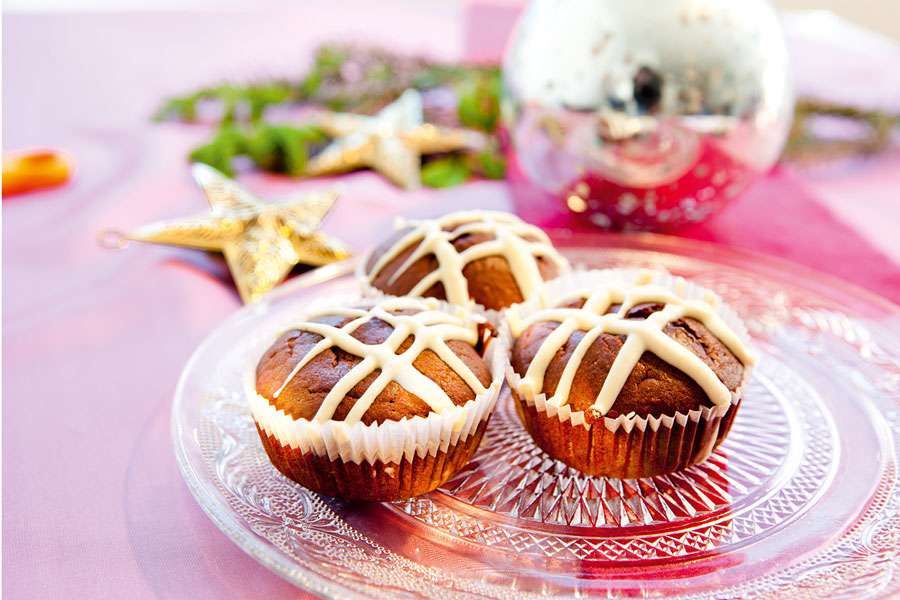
654 386
490 280
305 392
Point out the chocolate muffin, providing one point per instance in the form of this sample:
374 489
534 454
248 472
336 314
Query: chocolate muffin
377 402
636 374
491 258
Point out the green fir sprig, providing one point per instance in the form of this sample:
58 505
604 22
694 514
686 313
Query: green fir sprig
272 148
341 78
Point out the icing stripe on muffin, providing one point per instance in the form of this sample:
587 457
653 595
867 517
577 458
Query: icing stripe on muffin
431 329
641 336
435 237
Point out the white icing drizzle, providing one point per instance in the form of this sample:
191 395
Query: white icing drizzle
641 336
435 236
431 329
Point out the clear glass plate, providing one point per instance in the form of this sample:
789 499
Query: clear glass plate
801 500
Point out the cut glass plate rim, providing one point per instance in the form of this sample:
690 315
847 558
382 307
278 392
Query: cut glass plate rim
779 270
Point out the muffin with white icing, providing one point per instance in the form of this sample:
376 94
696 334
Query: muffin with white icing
627 374
491 258
377 401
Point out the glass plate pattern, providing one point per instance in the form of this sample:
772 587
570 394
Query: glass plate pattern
800 500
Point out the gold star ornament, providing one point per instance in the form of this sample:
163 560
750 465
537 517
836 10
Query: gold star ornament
391 142
261 242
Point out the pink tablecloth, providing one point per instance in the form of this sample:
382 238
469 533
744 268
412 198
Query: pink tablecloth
94 341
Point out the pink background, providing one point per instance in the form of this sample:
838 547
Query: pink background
94 340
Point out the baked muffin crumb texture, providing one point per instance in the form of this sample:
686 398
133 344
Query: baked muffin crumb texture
492 258
640 337
402 357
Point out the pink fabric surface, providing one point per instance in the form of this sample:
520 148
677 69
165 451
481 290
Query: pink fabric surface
94 341
795 226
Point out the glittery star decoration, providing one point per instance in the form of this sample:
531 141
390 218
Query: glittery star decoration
391 142
261 242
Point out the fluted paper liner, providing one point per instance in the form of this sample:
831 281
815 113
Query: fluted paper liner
627 446
389 448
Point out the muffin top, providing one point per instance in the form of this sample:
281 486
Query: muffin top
491 258
394 359
638 348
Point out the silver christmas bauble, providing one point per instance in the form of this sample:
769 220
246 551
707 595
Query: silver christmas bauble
646 113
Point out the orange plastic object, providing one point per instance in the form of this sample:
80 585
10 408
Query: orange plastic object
28 171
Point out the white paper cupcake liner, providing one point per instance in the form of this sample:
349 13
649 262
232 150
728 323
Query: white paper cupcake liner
626 422
390 441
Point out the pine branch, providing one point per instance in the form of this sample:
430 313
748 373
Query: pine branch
273 148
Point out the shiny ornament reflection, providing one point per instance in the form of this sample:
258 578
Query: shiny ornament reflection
644 114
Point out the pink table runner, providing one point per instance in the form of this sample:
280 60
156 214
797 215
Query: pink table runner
94 341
